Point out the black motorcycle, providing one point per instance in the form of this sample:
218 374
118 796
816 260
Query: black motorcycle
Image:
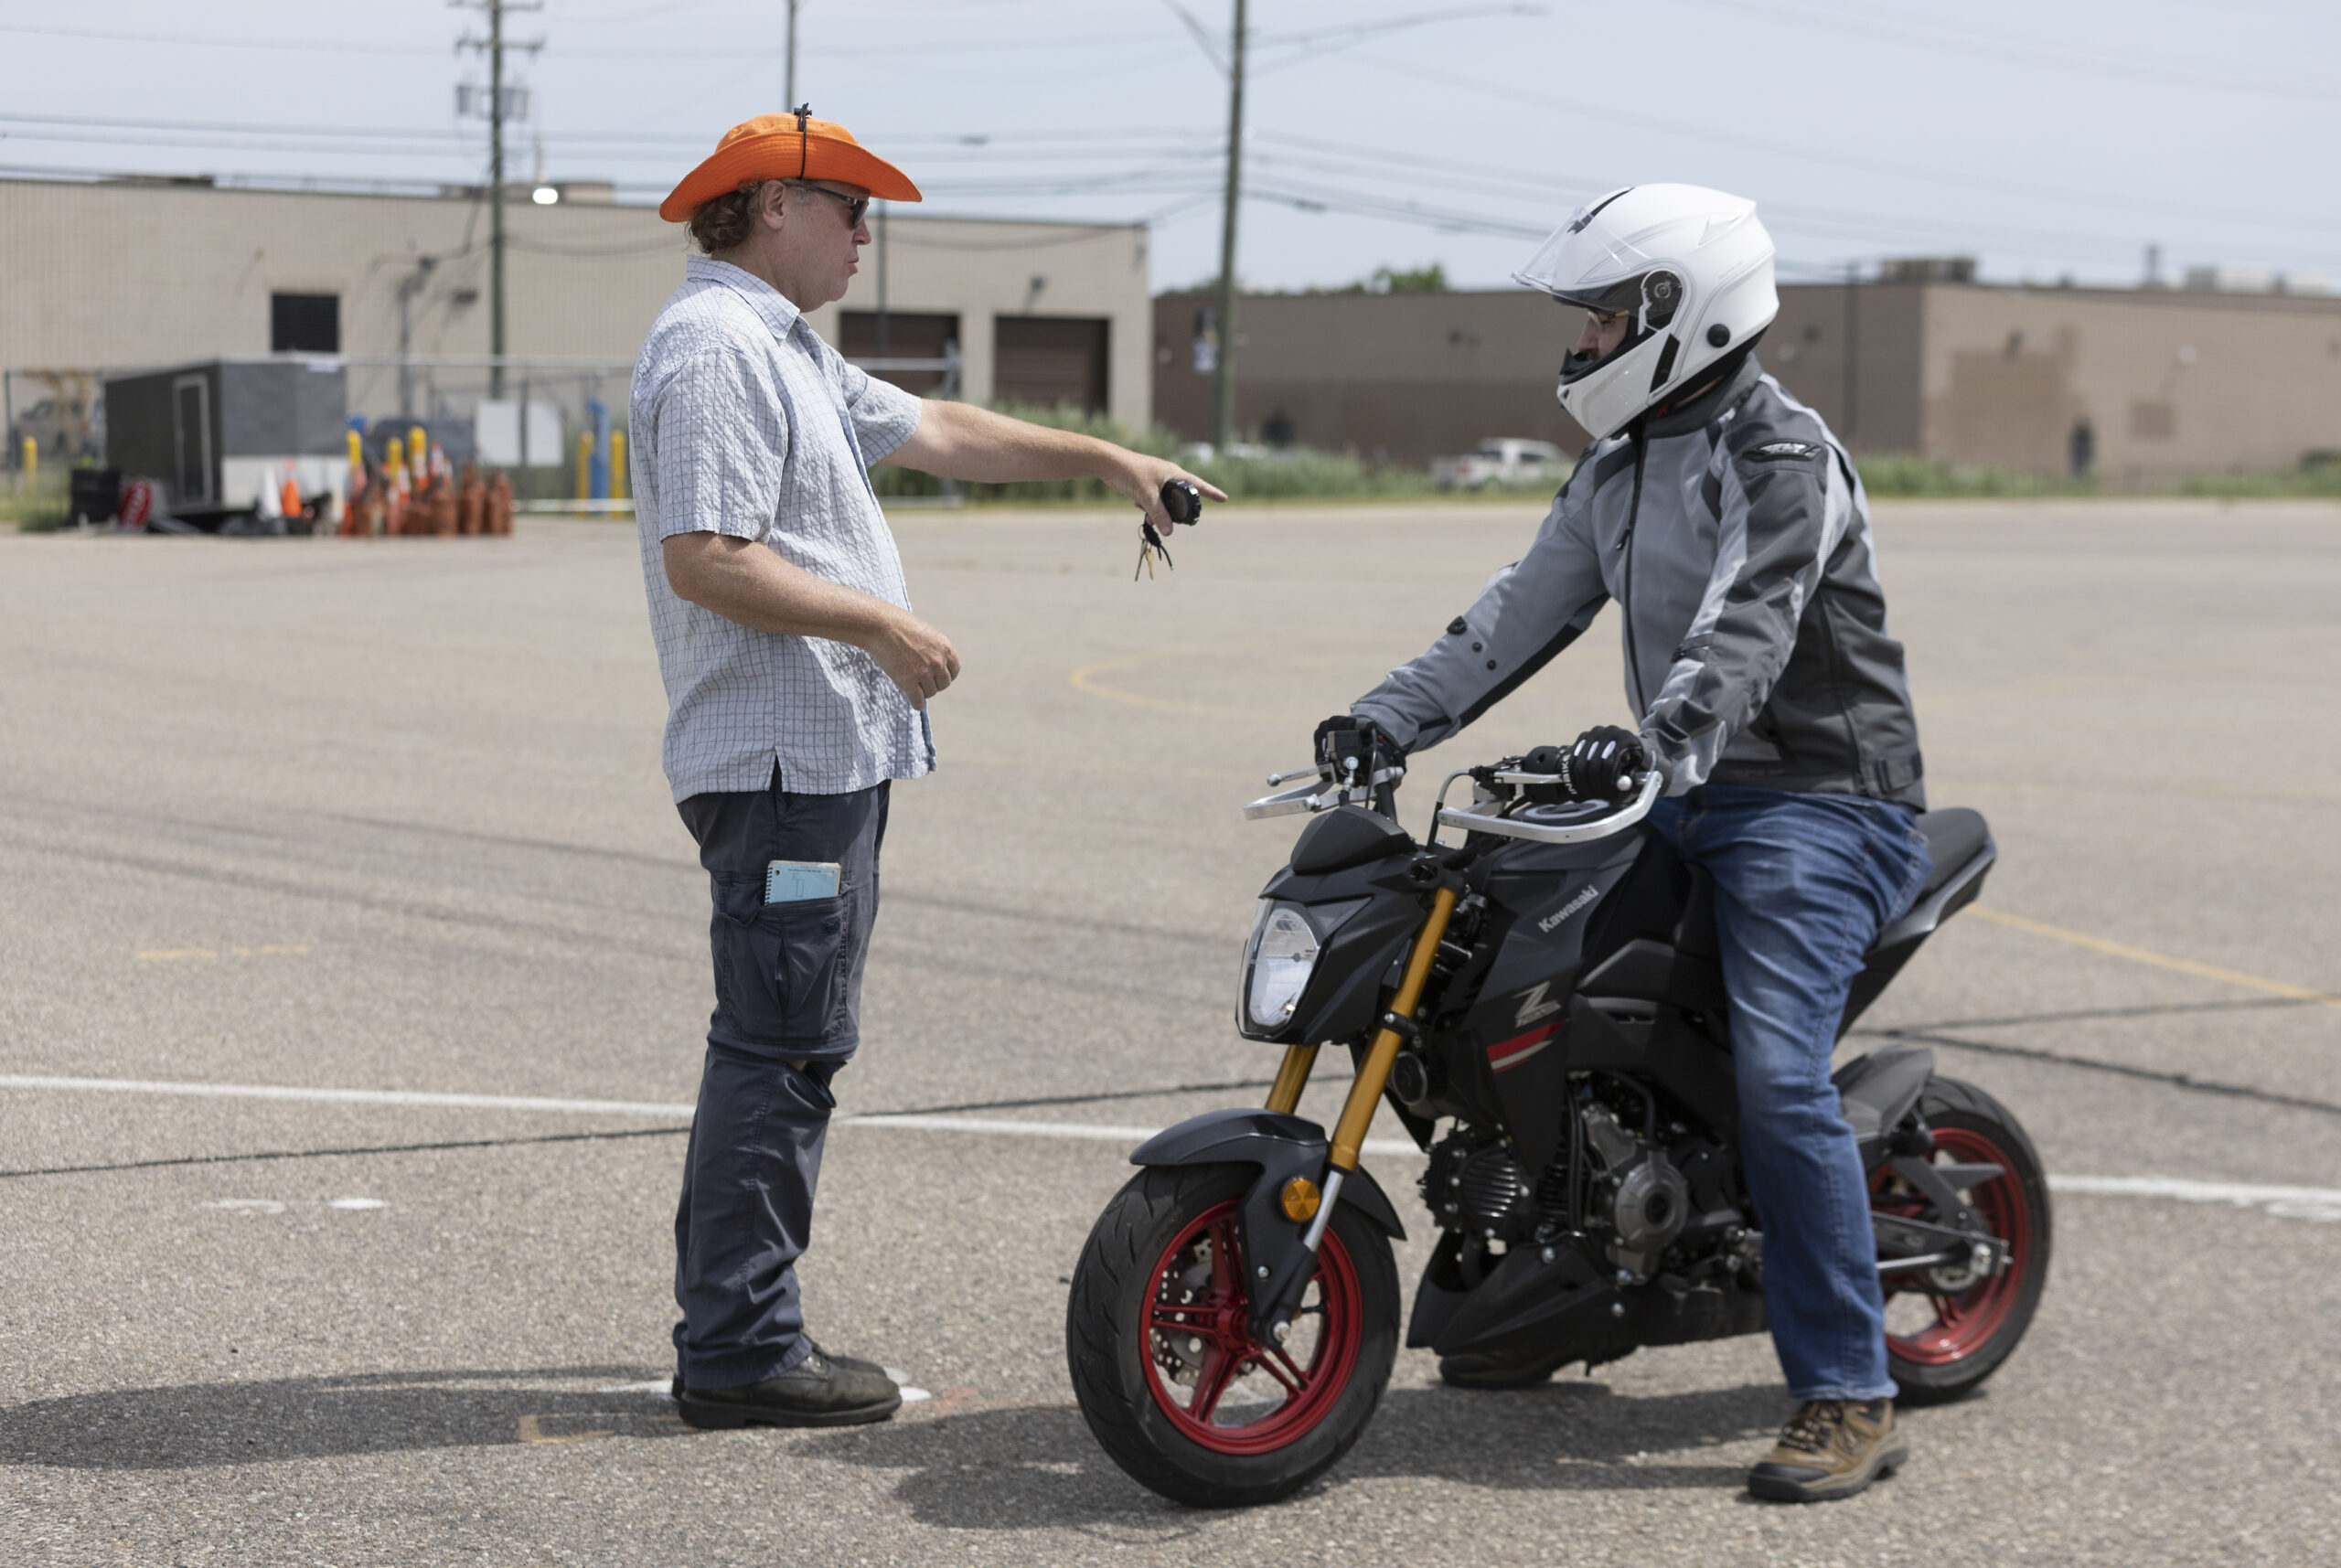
1543 1007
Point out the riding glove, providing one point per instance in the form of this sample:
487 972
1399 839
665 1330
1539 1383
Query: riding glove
1600 764
1347 735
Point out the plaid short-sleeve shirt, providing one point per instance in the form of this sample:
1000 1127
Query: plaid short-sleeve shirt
745 422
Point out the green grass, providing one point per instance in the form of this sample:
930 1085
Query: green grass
1300 474
2315 478
38 509
1897 475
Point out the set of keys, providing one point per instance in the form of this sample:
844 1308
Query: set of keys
1184 503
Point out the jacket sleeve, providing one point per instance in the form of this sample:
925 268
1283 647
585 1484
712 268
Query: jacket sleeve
1528 612
1782 512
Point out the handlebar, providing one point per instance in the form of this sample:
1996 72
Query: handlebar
1327 793
1576 822
1497 790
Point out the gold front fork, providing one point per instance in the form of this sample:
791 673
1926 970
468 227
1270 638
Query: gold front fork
1292 1077
1373 1073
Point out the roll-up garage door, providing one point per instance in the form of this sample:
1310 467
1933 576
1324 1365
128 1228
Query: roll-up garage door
1048 360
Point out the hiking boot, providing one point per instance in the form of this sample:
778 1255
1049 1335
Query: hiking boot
1830 1449
819 1391
1511 1368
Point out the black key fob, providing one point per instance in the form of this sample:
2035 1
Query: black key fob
1182 501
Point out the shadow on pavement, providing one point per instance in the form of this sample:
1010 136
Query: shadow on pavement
1010 1467
189 1426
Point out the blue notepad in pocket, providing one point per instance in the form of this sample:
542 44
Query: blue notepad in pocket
794 881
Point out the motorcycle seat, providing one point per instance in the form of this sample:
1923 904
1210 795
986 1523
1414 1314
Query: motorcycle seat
1955 836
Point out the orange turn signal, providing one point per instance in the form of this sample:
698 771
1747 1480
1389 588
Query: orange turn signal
1300 1199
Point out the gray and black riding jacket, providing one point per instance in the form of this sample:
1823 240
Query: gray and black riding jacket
1734 535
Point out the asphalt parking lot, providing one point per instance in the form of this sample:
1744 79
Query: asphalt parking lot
380 825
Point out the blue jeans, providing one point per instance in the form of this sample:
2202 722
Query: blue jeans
1803 884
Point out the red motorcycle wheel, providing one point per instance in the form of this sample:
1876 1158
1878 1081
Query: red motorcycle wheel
1945 1336
1201 1350
1168 1376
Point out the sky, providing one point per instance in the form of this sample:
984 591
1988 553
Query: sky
2049 139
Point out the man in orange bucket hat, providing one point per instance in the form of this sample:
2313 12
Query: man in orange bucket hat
797 683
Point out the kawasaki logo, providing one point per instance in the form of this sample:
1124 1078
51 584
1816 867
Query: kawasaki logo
1568 909
1535 1005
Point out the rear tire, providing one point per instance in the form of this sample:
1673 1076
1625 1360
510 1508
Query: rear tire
1173 1385
1943 1342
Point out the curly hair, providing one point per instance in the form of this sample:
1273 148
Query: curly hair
728 219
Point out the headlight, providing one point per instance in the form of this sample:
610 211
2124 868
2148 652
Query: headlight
1278 963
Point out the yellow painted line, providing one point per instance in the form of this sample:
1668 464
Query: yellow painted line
2159 960
532 1431
176 955
1084 680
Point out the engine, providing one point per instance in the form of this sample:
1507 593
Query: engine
1474 1185
1632 1197
1637 1188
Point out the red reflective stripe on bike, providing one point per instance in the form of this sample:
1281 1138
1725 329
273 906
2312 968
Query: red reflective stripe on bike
1510 1053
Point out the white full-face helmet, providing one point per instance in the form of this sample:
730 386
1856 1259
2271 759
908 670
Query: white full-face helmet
1694 268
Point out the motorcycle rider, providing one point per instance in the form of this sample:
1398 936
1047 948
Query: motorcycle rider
1731 528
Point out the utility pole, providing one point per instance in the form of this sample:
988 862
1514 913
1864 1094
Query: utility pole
410 286
494 45
1223 390
1851 427
788 93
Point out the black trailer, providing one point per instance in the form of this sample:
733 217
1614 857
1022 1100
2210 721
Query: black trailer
213 434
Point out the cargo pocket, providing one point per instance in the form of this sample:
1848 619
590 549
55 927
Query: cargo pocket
809 978
778 967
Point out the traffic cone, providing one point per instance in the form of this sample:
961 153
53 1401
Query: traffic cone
471 498
499 504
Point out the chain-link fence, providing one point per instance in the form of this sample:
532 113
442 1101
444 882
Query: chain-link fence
555 425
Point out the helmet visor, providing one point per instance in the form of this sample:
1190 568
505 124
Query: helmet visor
1581 362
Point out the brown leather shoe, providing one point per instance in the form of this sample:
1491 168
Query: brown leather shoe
1830 1449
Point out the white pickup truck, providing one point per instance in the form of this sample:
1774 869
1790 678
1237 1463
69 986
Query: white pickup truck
1502 461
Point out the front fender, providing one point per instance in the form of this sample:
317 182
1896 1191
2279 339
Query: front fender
1280 1146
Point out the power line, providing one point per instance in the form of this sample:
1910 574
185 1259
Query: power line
1736 139
317 46
2092 62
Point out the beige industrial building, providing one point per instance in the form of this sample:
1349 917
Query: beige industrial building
2139 386
116 274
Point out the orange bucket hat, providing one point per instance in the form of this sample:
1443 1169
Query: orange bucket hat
786 146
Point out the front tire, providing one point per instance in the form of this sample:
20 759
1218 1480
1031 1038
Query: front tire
1948 1331
1168 1376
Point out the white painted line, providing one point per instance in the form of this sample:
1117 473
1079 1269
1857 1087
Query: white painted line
2291 1202
911 1121
1090 1131
347 1096
356 1203
913 1395
661 1386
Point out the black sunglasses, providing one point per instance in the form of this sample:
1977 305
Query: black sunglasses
855 206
